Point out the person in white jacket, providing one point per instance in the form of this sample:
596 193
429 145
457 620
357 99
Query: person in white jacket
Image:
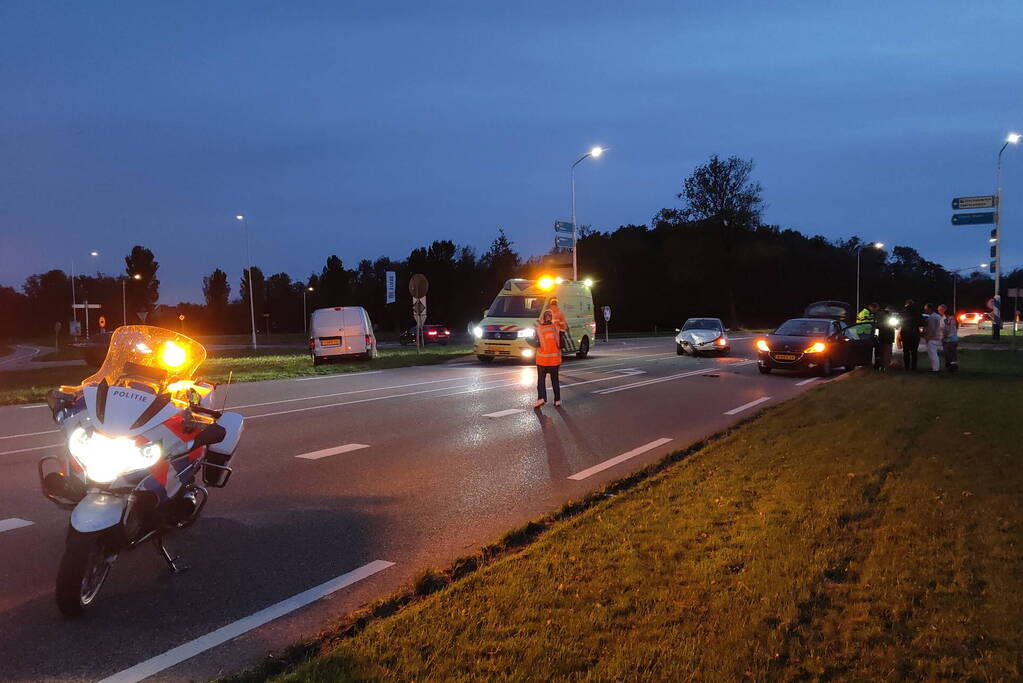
933 333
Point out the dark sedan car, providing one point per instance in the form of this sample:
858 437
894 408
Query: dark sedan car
817 345
432 334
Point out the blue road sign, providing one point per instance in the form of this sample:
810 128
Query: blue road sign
560 241
562 226
979 218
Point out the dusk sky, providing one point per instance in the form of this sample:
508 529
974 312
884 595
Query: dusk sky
367 129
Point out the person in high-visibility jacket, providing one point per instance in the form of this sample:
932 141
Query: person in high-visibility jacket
868 314
558 318
548 358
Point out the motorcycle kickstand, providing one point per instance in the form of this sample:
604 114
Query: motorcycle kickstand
176 564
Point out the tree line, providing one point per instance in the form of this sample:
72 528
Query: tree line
711 255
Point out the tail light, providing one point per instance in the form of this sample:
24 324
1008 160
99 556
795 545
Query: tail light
312 343
447 332
369 340
431 333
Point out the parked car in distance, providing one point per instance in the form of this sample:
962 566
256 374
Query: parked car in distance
432 334
342 331
700 336
972 318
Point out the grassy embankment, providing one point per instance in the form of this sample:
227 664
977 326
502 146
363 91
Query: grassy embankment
866 530
27 386
984 336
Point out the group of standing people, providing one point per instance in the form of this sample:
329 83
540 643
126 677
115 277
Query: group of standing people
936 326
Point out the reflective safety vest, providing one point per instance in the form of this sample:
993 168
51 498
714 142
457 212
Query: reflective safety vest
865 316
558 318
549 353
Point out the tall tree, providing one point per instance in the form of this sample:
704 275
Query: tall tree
723 193
216 290
144 291
49 300
501 262
334 283
259 294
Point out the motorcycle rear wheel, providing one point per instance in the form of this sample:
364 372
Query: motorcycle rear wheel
83 570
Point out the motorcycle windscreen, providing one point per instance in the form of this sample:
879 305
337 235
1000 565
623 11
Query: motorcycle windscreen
148 357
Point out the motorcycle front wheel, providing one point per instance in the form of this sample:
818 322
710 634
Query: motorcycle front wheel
83 569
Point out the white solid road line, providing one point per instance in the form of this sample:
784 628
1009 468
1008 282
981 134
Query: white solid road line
504 413
807 381
337 450
34 448
13 523
34 405
339 374
747 406
153 666
589 472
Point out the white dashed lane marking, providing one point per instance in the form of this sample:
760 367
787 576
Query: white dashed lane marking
13 523
747 406
504 413
337 450
589 472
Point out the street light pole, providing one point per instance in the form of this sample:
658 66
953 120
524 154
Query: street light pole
74 301
593 153
955 282
248 259
875 245
305 317
1011 139
124 298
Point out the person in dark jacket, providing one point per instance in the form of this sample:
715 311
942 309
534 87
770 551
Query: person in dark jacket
909 335
887 321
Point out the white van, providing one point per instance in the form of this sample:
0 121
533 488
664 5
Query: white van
507 326
341 331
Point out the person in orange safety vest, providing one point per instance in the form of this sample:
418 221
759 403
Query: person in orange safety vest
548 359
559 321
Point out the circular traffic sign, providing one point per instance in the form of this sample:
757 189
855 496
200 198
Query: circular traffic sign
418 286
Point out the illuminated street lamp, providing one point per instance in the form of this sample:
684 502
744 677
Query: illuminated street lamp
594 154
305 319
248 258
875 245
74 301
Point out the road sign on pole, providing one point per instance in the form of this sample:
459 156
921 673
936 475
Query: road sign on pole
391 279
102 322
980 218
418 286
607 319
563 226
563 242
982 202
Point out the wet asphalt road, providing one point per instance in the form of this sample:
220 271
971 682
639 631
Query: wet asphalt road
438 461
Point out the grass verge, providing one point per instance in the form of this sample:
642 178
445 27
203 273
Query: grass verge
27 386
864 530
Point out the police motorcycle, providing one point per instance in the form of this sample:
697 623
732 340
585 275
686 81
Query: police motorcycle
139 433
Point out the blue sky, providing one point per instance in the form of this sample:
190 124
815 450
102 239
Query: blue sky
366 129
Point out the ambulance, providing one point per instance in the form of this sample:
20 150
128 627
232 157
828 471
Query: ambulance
508 325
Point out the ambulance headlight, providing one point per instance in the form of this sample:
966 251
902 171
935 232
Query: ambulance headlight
105 459
527 333
477 332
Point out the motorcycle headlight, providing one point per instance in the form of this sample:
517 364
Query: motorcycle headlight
527 333
477 332
105 458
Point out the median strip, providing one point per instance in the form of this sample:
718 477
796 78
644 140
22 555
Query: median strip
607 464
162 662
337 450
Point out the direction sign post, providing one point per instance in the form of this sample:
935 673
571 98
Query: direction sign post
977 218
86 306
562 226
563 242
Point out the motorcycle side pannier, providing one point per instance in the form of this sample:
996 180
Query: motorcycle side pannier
219 454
